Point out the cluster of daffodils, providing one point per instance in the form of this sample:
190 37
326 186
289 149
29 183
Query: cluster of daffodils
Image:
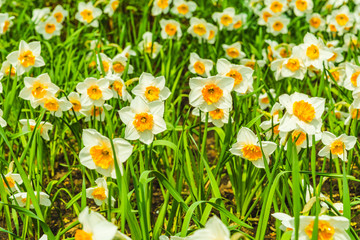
49 23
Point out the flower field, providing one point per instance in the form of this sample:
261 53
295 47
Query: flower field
176 119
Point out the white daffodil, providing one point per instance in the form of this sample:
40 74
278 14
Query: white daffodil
328 227
351 42
2 121
271 127
242 75
298 137
218 117
88 14
7 69
5 23
214 229
148 46
337 73
54 105
119 88
118 65
352 80
183 8
336 146
106 63
316 22
276 6
239 20
264 16
98 154
209 94
21 199
11 180
160 6
127 52
111 7
100 193
151 89
302 7
37 88
225 19
354 112
49 28
59 13
170 29
94 227
344 19
27 57
233 51
75 100
198 28
39 14
90 112
277 25
284 218
213 30
264 100
143 120
315 52
248 147
301 112
199 65
94 91
44 127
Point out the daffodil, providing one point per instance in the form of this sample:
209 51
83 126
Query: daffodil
98 154
49 28
27 57
233 51
2 121
248 147
21 199
100 193
264 100
11 180
127 52
214 229
225 19
54 105
170 29
213 30
354 112
285 221
59 13
316 22
94 91
106 63
5 23
351 42
7 69
242 75
302 112
118 65
352 80
29 125
39 14
209 94
277 25
218 117
119 88
198 28
91 111
88 14
151 89
239 21
276 6
199 65
111 7
77 105
336 146
160 6
148 46
343 19
183 8
143 120
299 137
302 7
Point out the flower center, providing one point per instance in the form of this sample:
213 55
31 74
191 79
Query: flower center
342 19
199 68
143 121
59 16
278 26
200 29
233 52
10 181
50 28
152 93
170 29
238 24
27 58
12 73
39 90
285 52
265 100
87 15
105 66
76 105
276 6
102 156
6 26
301 5
82 235
32 127
332 28
312 52
150 48
115 5
226 20
325 230
163 4
266 16
337 147
354 78
315 22
250 64
251 152
118 67
183 9
333 58
293 64
299 135
211 34
117 86
236 76
211 93
304 111
99 193
51 104
94 92
217 114
96 111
